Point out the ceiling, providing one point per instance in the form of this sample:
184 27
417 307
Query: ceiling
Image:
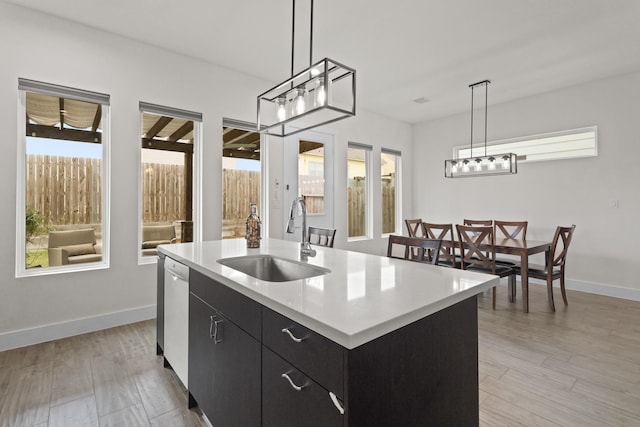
402 50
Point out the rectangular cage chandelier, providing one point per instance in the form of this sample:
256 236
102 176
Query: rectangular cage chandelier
484 165
320 94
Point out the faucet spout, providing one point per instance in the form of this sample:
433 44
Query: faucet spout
305 246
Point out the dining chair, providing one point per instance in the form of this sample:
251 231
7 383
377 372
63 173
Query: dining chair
479 254
516 230
478 222
414 230
554 264
428 250
413 227
442 232
321 236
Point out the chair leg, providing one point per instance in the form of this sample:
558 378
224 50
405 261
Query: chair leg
550 294
512 288
564 294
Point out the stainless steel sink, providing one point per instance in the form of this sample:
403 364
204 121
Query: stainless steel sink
272 268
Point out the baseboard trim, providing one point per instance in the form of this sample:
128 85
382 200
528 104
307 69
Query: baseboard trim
596 288
40 334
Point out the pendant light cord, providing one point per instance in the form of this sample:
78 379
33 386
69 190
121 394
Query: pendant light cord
486 113
293 36
472 89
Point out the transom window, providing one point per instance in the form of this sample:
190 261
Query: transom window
569 144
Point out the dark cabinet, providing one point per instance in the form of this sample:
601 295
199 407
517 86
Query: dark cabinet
291 399
251 366
224 367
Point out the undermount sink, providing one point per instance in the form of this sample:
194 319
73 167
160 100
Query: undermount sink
272 268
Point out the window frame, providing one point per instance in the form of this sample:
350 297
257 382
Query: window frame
145 107
398 193
24 86
368 150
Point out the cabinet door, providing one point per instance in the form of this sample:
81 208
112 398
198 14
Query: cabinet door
200 353
284 406
225 369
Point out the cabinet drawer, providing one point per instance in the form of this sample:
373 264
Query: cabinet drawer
236 307
284 406
315 355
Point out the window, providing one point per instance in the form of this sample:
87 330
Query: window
389 167
311 176
241 172
63 195
358 190
168 139
567 144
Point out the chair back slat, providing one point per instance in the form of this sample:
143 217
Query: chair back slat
471 239
321 236
413 227
511 229
441 232
428 250
560 245
478 222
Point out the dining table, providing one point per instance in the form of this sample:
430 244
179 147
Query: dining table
517 247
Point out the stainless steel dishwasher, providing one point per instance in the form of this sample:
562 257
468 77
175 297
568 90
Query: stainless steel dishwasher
176 317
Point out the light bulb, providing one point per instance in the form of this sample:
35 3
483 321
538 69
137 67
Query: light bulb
478 165
299 101
505 162
465 166
321 93
492 163
454 167
281 109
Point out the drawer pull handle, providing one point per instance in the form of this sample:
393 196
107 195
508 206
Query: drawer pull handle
335 401
217 333
295 387
211 321
288 332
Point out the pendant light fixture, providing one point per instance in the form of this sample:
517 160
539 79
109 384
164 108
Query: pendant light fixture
322 93
487 164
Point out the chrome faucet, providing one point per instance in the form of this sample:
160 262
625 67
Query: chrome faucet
305 246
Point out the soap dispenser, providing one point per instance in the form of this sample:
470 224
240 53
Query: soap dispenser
253 228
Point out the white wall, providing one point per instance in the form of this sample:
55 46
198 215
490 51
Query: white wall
602 255
39 47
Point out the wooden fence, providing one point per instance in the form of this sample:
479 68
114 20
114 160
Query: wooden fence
67 190
163 197
356 193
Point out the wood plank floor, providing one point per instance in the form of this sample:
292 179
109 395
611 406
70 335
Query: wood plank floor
579 366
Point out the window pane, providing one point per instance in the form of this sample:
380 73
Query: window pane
63 181
357 159
240 180
167 181
311 176
388 166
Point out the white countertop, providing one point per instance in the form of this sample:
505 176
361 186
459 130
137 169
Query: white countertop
362 298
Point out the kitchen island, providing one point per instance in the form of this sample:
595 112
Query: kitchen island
374 341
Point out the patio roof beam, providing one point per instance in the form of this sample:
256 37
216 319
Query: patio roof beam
50 132
158 144
97 118
158 126
182 131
